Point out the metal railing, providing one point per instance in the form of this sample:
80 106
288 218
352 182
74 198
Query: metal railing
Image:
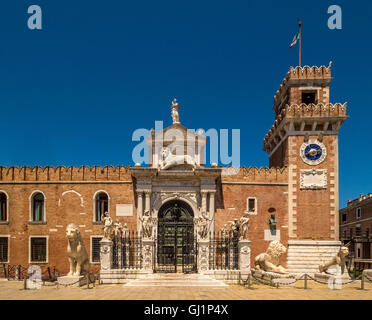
127 251
223 251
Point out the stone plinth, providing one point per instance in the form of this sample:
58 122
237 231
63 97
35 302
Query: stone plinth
244 249
324 277
283 280
305 256
73 281
203 256
367 274
106 254
148 255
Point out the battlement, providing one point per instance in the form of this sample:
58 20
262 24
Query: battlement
258 175
62 173
303 75
313 115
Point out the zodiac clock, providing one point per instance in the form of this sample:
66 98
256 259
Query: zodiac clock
313 152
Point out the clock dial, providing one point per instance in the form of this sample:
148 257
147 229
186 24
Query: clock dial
313 152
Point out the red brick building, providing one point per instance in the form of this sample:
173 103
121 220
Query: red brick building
356 226
300 188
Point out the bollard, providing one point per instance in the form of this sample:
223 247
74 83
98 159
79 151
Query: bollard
25 283
239 280
18 273
305 286
49 274
362 282
249 281
5 276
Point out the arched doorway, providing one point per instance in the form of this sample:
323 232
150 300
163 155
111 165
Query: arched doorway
176 243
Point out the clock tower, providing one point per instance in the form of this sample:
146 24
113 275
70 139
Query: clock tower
304 138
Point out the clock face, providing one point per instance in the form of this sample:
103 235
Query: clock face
313 152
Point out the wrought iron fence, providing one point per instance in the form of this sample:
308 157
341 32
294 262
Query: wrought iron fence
223 251
127 251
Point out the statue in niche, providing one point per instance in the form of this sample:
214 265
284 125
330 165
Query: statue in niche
202 224
272 223
244 225
108 229
175 111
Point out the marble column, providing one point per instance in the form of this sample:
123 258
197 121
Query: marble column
212 210
147 201
148 255
139 209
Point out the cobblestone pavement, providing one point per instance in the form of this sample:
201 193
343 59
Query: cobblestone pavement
10 290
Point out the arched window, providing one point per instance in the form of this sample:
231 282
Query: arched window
3 207
101 205
38 207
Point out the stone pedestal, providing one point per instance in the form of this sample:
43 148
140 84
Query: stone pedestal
282 280
106 254
244 249
367 274
203 256
72 281
148 255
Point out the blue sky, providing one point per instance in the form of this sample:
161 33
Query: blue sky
74 92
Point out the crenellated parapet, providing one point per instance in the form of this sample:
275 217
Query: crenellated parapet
66 174
257 175
305 117
319 75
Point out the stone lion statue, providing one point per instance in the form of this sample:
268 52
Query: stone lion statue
338 260
171 160
269 261
77 254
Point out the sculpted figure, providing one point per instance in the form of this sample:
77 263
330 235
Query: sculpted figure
338 260
175 111
244 225
270 260
77 254
147 224
170 159
224 232
234 228
125 231
203 225
118 228
108 229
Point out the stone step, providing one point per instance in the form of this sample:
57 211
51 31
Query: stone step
176 280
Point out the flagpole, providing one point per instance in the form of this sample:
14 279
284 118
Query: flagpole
299 55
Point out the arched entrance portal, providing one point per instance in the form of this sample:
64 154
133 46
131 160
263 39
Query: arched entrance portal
176 243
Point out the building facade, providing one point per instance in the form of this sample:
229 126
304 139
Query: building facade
356 226
297 194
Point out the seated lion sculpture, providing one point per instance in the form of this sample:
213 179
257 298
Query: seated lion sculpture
77 254
269 261
337 260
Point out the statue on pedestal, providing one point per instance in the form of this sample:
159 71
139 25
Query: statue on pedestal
147 224
337 260
108 229
77 254
244 225
175 111
234 228
269 261
118 228
125 231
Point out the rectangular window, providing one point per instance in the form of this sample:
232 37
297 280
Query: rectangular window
4 241
344 217
309 97
39 249
95 249
358 213
358 231
252 205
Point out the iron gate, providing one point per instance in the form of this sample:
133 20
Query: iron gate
176 246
